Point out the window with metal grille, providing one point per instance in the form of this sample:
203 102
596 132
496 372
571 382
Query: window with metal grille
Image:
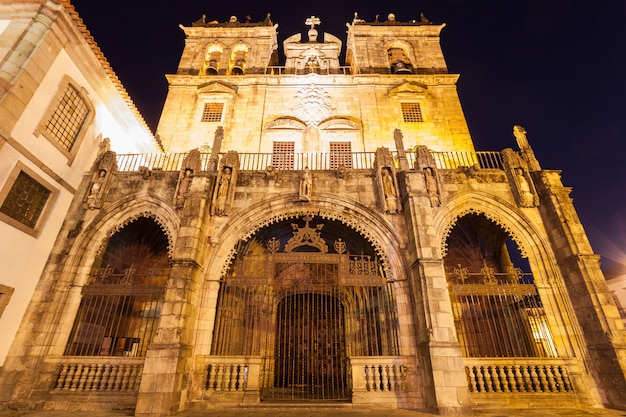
212 112
283 155
5 295
412 112
25 200
340 154
67 119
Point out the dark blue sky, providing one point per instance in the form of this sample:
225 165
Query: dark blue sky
556 67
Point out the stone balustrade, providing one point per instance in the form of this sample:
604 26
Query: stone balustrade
79 375
543 377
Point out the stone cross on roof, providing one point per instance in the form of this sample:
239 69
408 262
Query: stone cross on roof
312 21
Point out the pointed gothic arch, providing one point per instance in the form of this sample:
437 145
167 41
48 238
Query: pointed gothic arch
122 299
361 220
532 245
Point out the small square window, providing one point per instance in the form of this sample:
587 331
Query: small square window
412 112
65 122
212 112
283 155
340 154
5 296
67 118
25 200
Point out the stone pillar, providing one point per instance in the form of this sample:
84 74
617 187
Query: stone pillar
438 350
592 302
169 358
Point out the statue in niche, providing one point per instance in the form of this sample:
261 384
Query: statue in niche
527 198
305 185
431 187
93 199
312 64
389 190
222 191
107 164
184 185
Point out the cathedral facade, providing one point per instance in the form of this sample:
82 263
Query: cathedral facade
317 231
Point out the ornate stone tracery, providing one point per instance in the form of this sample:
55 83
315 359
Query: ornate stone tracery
495 219
313 104
159 221
351 221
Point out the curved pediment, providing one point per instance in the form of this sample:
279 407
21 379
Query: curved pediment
286 122
340 123
216 87
409 90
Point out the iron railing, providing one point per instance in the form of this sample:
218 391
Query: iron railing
313 160
282 70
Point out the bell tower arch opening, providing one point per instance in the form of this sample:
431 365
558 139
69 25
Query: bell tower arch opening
306 295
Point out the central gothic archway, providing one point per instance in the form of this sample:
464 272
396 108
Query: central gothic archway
306 295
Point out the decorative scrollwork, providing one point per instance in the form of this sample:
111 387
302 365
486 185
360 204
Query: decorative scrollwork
129 275
362 265
273 245
489 274
355 222
461 273
340 246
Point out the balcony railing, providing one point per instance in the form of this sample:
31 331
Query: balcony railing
276 70
314 161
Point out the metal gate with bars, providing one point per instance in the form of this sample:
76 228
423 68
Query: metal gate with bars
305 314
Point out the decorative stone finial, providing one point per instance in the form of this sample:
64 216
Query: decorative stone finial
312 21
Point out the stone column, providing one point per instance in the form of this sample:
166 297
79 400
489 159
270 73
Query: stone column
592 302
169 358
438 350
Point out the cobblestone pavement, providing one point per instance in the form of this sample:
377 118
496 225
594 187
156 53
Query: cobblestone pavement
264 411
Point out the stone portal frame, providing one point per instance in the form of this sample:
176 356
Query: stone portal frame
533 245
368 223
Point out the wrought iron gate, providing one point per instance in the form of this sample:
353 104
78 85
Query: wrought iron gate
304 314
310 354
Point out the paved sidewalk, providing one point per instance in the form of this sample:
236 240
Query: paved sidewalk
347 411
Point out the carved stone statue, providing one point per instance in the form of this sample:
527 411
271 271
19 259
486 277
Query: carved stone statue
183 187
527 198
93 199
389 190
431 187
305 185
222 191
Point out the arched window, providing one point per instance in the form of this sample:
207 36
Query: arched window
212 60
496 306
121 304
238 60
399 61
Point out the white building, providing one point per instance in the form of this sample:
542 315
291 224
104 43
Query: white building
59 99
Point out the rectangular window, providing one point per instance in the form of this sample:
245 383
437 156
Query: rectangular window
25 200
5 296
283 155
65 122
412 112
212 112
68 118
340 154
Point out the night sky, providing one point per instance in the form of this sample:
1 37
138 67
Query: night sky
556 67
